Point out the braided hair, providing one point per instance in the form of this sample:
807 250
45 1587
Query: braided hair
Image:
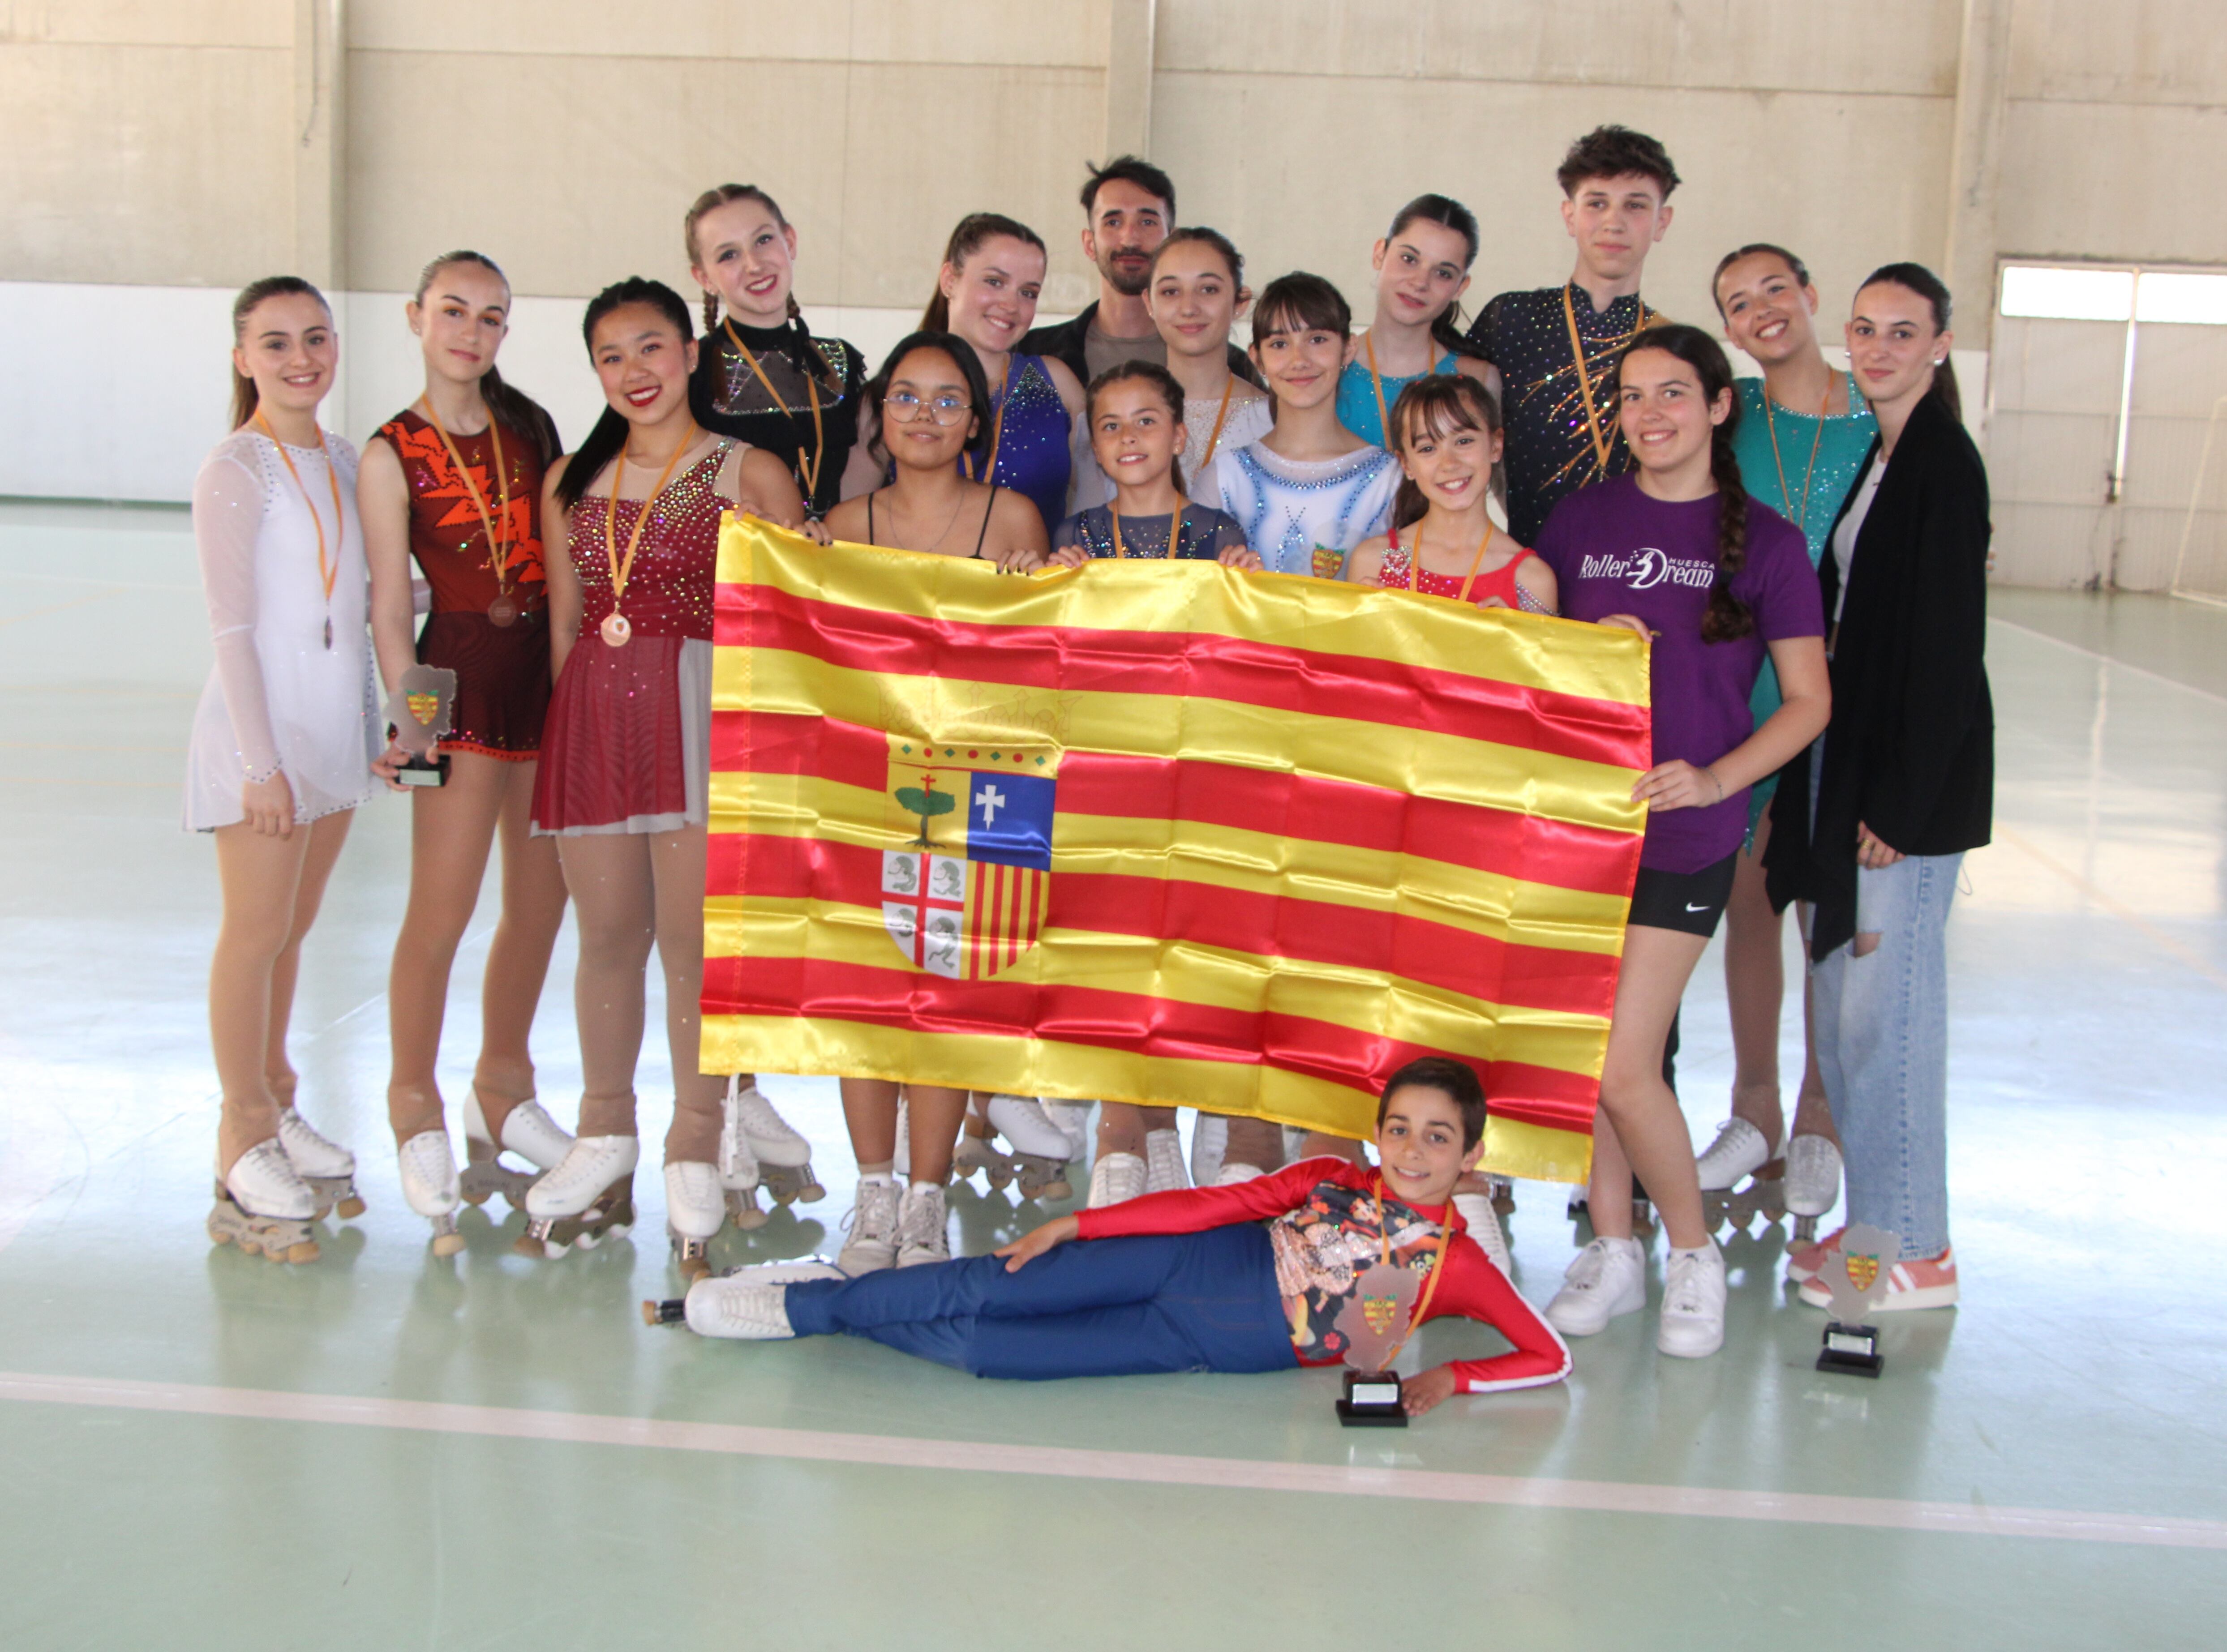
1727 617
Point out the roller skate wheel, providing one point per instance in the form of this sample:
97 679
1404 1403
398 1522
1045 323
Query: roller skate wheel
349 1208
446 1244
306 1250
478 1196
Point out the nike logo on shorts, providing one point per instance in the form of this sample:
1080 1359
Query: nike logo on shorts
1690 907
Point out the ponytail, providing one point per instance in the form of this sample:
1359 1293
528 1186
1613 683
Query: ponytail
245 396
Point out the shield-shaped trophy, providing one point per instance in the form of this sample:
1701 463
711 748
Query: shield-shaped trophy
1375 1321
419 712
1857 1275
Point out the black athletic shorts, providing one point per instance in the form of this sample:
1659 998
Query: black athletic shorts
1690 902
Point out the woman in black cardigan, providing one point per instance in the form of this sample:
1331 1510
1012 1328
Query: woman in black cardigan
1871 824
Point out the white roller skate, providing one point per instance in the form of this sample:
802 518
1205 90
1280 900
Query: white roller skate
1235 1172
1041 1150
429 1186
923 1230
976 1153
1165 1172
695 1210
1484 1226
1072 1120
265 1207
1813 1183
1115 1179
588 1196
327 1167
747 1304
872 1244
740 1172
1741 1179
528 1131
784 1157
1209 1140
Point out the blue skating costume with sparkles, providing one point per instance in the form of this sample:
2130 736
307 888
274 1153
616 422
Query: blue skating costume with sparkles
1303 517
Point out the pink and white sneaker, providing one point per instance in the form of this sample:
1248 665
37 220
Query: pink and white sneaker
1805 1262
1922 1282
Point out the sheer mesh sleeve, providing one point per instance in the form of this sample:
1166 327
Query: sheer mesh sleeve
1225 535
228 504
1068 535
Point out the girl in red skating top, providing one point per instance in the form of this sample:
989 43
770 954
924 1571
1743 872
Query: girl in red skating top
1261 1275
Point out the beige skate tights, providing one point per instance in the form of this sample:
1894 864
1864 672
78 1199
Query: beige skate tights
630 890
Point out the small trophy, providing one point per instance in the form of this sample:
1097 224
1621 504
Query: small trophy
1857 1276
1375 1323
419 713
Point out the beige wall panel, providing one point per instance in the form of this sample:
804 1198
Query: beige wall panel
1248 150
2042 364
2050 458
1066 33
2131 51
148 165
2062 545
2180 369
1584 43
872 202
2115 182
149 22
926 147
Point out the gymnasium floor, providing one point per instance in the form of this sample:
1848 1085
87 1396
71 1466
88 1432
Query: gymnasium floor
203 1450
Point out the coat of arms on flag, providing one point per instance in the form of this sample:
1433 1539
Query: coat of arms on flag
965 897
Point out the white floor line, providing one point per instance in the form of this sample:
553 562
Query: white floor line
1605 1496
2111 659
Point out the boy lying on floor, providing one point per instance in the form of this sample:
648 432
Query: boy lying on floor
1252 1276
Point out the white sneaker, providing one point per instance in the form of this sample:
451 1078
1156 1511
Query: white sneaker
1813 1176
1236 1171
923 1229
1692 1323
1165 1170
1738 1152
872 1222
1608 1278
1484 1226
1209 1140
1115 1179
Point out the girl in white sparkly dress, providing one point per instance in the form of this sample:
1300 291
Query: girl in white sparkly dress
282 747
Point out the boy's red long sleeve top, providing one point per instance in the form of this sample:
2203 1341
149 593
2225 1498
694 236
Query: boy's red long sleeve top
1325 1225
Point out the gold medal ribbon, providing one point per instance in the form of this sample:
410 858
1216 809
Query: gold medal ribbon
495 558
622 571
1584 379
807 470
1438 1265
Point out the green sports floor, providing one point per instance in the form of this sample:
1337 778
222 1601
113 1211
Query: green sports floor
383 1450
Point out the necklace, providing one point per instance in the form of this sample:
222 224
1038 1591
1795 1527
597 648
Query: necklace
997 430
1771 423
1584 379
807 471
1438 1266
328 567
1175 530
951 522
504 609
1214 438
615 629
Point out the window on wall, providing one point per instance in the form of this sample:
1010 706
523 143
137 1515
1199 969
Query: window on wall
2107 430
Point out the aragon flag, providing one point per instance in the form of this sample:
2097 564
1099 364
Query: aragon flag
1158 831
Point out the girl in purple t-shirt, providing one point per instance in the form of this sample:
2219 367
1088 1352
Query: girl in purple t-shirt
1679 553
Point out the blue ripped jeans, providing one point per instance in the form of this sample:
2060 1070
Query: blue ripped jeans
1882 1033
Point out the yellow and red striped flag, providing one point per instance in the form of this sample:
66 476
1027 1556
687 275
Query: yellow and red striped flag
1156 832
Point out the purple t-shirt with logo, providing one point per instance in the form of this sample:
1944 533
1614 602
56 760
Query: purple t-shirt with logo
1616 551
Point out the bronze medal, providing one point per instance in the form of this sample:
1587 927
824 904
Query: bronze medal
503 610
616 631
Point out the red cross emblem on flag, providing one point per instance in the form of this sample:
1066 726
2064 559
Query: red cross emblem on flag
924 908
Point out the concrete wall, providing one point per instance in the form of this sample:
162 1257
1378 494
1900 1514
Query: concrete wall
173 146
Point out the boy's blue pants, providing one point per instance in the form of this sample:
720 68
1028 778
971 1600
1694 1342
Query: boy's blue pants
1103 1307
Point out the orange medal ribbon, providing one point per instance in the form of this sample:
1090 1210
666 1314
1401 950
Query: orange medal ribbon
615 630
807 470
503 609
329 566
1584 379
1214 438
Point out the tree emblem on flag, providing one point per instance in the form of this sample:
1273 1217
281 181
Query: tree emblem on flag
965 898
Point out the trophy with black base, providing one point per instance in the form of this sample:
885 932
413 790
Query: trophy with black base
419 710
1375 1322
1857 1276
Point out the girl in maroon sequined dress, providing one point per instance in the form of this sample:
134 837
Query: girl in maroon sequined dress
634 519
455 482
